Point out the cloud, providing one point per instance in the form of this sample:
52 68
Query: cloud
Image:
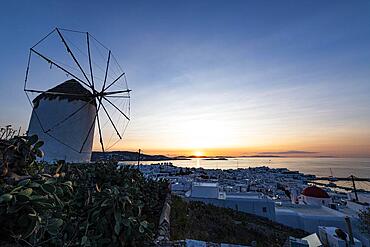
290 152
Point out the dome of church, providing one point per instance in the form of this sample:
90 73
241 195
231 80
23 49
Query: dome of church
314 191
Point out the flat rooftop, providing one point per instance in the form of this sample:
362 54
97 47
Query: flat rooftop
248 195
205 184
308 210
243 197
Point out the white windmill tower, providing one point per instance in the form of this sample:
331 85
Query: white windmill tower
75 85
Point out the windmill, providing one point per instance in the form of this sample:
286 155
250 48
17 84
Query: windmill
78 93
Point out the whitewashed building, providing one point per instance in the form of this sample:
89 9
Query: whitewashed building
64 135
310 217
205 190
249 202
329 237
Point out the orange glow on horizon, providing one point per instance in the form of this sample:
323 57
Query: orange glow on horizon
198 153
314 144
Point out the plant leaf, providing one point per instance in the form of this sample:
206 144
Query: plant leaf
48 188
38 144
54 225
117 228
24 182
32 139
6 198
84 240
27 192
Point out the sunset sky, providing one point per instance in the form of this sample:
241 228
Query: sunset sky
217 77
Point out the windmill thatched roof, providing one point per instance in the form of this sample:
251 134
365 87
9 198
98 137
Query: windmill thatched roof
70 90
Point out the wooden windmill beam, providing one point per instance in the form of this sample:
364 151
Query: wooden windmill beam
73 56
88 51
91 127
106 71
117 108
119 77
111 121
60 67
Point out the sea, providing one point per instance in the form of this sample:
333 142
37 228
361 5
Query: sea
321 167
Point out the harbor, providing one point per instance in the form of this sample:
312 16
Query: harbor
318 168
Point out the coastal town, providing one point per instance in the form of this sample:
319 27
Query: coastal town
283 196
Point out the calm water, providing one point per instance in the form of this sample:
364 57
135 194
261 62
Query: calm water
341 167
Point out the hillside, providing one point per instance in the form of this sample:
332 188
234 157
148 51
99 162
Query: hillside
127 156
196 220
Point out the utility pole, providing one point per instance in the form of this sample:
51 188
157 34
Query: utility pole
354 187
350 233
138 158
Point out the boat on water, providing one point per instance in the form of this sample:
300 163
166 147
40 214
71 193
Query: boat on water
331 184
332 178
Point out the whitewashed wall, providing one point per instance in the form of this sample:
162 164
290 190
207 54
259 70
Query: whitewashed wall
72 132
311 222
251 206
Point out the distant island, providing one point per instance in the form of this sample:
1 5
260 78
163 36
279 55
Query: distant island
285 156
261 156
126 156
130 156
216 158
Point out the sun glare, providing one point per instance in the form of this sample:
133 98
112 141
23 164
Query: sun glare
198 153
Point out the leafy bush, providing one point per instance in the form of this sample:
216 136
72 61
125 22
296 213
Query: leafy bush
32 211
99 204
18 155
364 216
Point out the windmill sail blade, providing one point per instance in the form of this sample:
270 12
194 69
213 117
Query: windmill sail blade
89 52
28 69
62 142
99 126
59 67
110 136
35 112
110 119
70 116
106 71
51 93
91 127
72 55
44 38
117 96
117 92
110 102
119 77
100 135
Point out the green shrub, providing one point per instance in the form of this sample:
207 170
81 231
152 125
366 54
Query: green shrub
18 156
99 204
364 216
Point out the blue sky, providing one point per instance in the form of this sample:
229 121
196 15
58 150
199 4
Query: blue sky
217 76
